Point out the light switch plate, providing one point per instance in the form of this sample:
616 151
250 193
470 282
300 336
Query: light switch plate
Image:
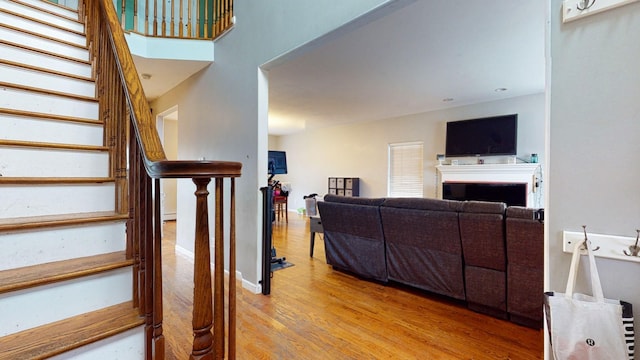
571 11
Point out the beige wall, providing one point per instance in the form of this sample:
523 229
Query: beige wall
360 150
223 108
169 186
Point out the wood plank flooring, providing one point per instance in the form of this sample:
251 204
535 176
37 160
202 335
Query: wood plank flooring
315 312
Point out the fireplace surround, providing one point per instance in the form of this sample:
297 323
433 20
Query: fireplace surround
512 194
520 184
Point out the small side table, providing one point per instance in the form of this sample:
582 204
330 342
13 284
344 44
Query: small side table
315 226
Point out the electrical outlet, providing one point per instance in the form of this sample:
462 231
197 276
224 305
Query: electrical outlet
576 9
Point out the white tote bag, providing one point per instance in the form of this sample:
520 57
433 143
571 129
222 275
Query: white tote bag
583 327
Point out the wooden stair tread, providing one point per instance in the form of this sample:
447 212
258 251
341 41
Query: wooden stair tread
53 117
49 38
35 222
47 145
47 92
65 335
51 12
44 52
43 274
44 70
4 180
35 20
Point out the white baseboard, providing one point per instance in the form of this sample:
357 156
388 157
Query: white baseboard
184 252
169 216
256 289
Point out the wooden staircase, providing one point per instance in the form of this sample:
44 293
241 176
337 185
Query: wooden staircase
66 269
80 170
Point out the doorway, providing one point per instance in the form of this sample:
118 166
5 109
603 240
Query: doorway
167 125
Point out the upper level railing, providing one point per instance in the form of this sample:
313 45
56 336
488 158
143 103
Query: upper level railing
192 19
138 162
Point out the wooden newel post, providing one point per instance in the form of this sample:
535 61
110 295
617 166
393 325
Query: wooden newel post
202 294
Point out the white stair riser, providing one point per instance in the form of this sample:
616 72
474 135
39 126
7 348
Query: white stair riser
48 104
30 308
38 130
44 44
27 162
41 15
42 29
54 63
47 81
126 346
48 6
22 200
47 245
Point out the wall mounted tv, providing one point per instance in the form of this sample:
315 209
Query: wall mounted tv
496 135
277 162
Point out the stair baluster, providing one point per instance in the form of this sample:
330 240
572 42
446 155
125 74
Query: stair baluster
124 107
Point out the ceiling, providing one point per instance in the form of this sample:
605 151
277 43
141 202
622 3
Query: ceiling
425 56
160 75
420 56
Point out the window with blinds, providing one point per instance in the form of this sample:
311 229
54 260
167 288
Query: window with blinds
405 175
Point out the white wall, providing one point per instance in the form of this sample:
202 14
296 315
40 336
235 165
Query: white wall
223 116
360 150
594 144
169 186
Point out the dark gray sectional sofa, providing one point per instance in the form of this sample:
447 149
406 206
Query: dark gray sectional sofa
467 250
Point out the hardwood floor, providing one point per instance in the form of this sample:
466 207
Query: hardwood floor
315 312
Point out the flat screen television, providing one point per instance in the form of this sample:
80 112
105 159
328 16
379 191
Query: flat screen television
496 135
277 162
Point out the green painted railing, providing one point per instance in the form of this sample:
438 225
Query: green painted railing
197 19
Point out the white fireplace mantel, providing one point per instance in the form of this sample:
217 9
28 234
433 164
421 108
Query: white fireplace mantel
524 173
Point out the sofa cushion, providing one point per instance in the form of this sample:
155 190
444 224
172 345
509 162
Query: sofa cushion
353 238
520 212
482 234
524 295
524 238
484 207
423 248
525 254
424 204
486 291
354 200
358 220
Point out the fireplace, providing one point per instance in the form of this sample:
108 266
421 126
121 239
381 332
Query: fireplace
514 184
513 194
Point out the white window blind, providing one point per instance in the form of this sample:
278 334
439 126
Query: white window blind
405 170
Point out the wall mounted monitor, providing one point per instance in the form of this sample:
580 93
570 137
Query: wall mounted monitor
277 162
495 135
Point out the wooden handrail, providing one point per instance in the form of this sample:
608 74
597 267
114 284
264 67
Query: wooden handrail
155 160
137 157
